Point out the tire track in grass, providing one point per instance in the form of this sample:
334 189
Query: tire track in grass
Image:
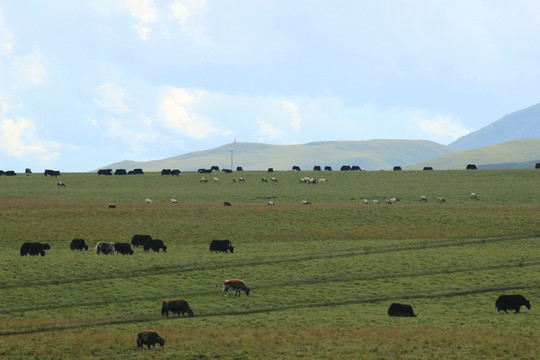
136 320
365 250
279 284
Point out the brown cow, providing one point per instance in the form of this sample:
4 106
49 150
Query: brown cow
237 285
176 306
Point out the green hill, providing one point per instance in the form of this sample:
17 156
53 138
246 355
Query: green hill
369 155
515 154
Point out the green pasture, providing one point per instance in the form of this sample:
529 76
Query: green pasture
321 276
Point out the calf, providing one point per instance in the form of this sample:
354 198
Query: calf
149 338
511 302
237 285
176 306
401 310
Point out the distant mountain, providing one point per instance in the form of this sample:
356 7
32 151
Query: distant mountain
369 155
521 124
515 154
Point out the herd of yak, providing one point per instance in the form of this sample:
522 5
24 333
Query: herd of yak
150 338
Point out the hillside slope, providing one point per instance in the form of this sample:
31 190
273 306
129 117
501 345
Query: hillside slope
523 124
369 155
513 154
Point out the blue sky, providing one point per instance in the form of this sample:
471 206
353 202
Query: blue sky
87 83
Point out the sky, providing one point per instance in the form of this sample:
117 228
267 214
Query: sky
84 84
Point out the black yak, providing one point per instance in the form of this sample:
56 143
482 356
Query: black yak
511 302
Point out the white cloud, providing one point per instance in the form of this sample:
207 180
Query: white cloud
440 126
268 132
287 105
176 113
17 138
111 98
143 10
183 10
137 134
30 69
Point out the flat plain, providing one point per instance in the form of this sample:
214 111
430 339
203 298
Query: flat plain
322 276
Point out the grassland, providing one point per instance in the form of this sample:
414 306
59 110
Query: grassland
322 276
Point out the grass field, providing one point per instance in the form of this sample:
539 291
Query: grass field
321 276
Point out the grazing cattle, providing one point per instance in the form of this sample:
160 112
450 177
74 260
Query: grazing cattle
241 179
345 168
104 172
270 170
105 248
296 168
215 179
226 203
137 172
154 244
397 168
227 171
78 244
148 201
239 168
511 302
49 172
316 168
203 180
327 168
270 203
61 184
355 168
237 285
441 200
166 172
111 206
474 196
221 245
388 202
305 202
263 180
176 306
365 202
214 168
139 240
322 181
428 168
120 172
175 172
471 167
149 338
423 198
33 249
174 201
234 179
11 173
537 166
123 248
394 199
274 180
401 310
375 202
28 171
